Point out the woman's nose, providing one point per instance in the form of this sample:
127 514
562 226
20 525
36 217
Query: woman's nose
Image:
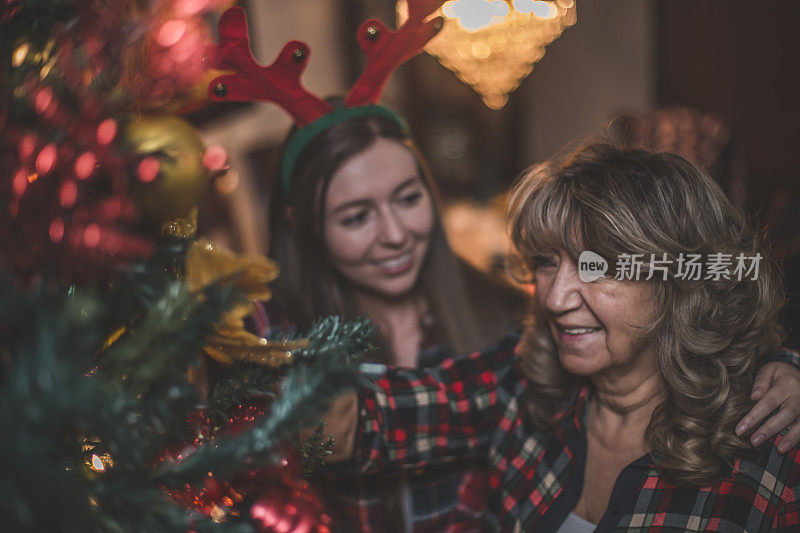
563 294
393 230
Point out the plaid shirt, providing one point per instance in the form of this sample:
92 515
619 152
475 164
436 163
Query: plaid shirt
470 406
430 499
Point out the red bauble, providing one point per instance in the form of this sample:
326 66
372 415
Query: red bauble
287 505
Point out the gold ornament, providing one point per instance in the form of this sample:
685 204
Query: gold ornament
207 263
169 202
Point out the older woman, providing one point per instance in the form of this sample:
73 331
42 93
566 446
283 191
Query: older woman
618 407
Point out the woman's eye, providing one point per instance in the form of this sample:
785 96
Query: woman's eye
356 219
411 199
543 261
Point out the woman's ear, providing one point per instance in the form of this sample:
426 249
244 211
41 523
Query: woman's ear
288 212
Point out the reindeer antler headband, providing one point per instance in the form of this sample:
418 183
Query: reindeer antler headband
280 82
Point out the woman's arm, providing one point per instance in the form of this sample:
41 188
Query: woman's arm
416 416
341 422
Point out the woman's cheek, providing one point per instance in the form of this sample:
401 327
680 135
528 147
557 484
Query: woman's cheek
349 244
420 220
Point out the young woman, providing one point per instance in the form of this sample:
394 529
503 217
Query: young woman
357 232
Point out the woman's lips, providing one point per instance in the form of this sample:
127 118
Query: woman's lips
396 265
576 334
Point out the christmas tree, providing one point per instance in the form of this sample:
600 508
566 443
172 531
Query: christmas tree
131 396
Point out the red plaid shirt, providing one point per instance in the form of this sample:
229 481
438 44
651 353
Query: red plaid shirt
439 498
470 407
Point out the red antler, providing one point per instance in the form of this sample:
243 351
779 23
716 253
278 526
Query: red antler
386 50
279 82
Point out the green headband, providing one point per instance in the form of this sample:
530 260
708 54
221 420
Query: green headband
307 133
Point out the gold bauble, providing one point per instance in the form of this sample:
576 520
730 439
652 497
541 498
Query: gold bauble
207 263
182 180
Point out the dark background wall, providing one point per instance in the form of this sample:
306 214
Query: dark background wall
739 59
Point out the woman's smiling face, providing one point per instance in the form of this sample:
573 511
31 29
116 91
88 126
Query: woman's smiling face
597 326
378 219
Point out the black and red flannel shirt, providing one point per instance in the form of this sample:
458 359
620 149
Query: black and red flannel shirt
470 406
443 498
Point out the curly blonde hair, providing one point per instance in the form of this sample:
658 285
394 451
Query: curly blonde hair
710 334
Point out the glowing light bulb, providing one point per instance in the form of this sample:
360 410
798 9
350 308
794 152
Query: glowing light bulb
19 54
97 463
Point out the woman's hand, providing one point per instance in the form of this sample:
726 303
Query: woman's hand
777 386
341 421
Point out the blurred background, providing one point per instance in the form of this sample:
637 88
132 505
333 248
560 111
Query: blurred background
716 81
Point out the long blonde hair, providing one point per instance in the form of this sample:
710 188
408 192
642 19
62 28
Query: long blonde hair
710 334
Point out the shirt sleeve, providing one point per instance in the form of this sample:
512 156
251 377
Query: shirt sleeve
785 355
418 416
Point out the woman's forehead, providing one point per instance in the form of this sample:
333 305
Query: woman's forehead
379 171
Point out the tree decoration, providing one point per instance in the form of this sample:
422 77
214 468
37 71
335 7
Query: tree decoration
100 329
70 74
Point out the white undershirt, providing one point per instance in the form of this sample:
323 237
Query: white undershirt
576 524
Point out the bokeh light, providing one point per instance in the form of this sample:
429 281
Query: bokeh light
215 157
171 32
43 99
91 236
107 131
56 230
68 193
148 169
84 165
20 182
27 145
46 159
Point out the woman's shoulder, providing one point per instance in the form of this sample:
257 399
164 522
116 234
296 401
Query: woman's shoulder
772 472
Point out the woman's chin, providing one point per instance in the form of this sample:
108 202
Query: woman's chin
389 288
580 363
